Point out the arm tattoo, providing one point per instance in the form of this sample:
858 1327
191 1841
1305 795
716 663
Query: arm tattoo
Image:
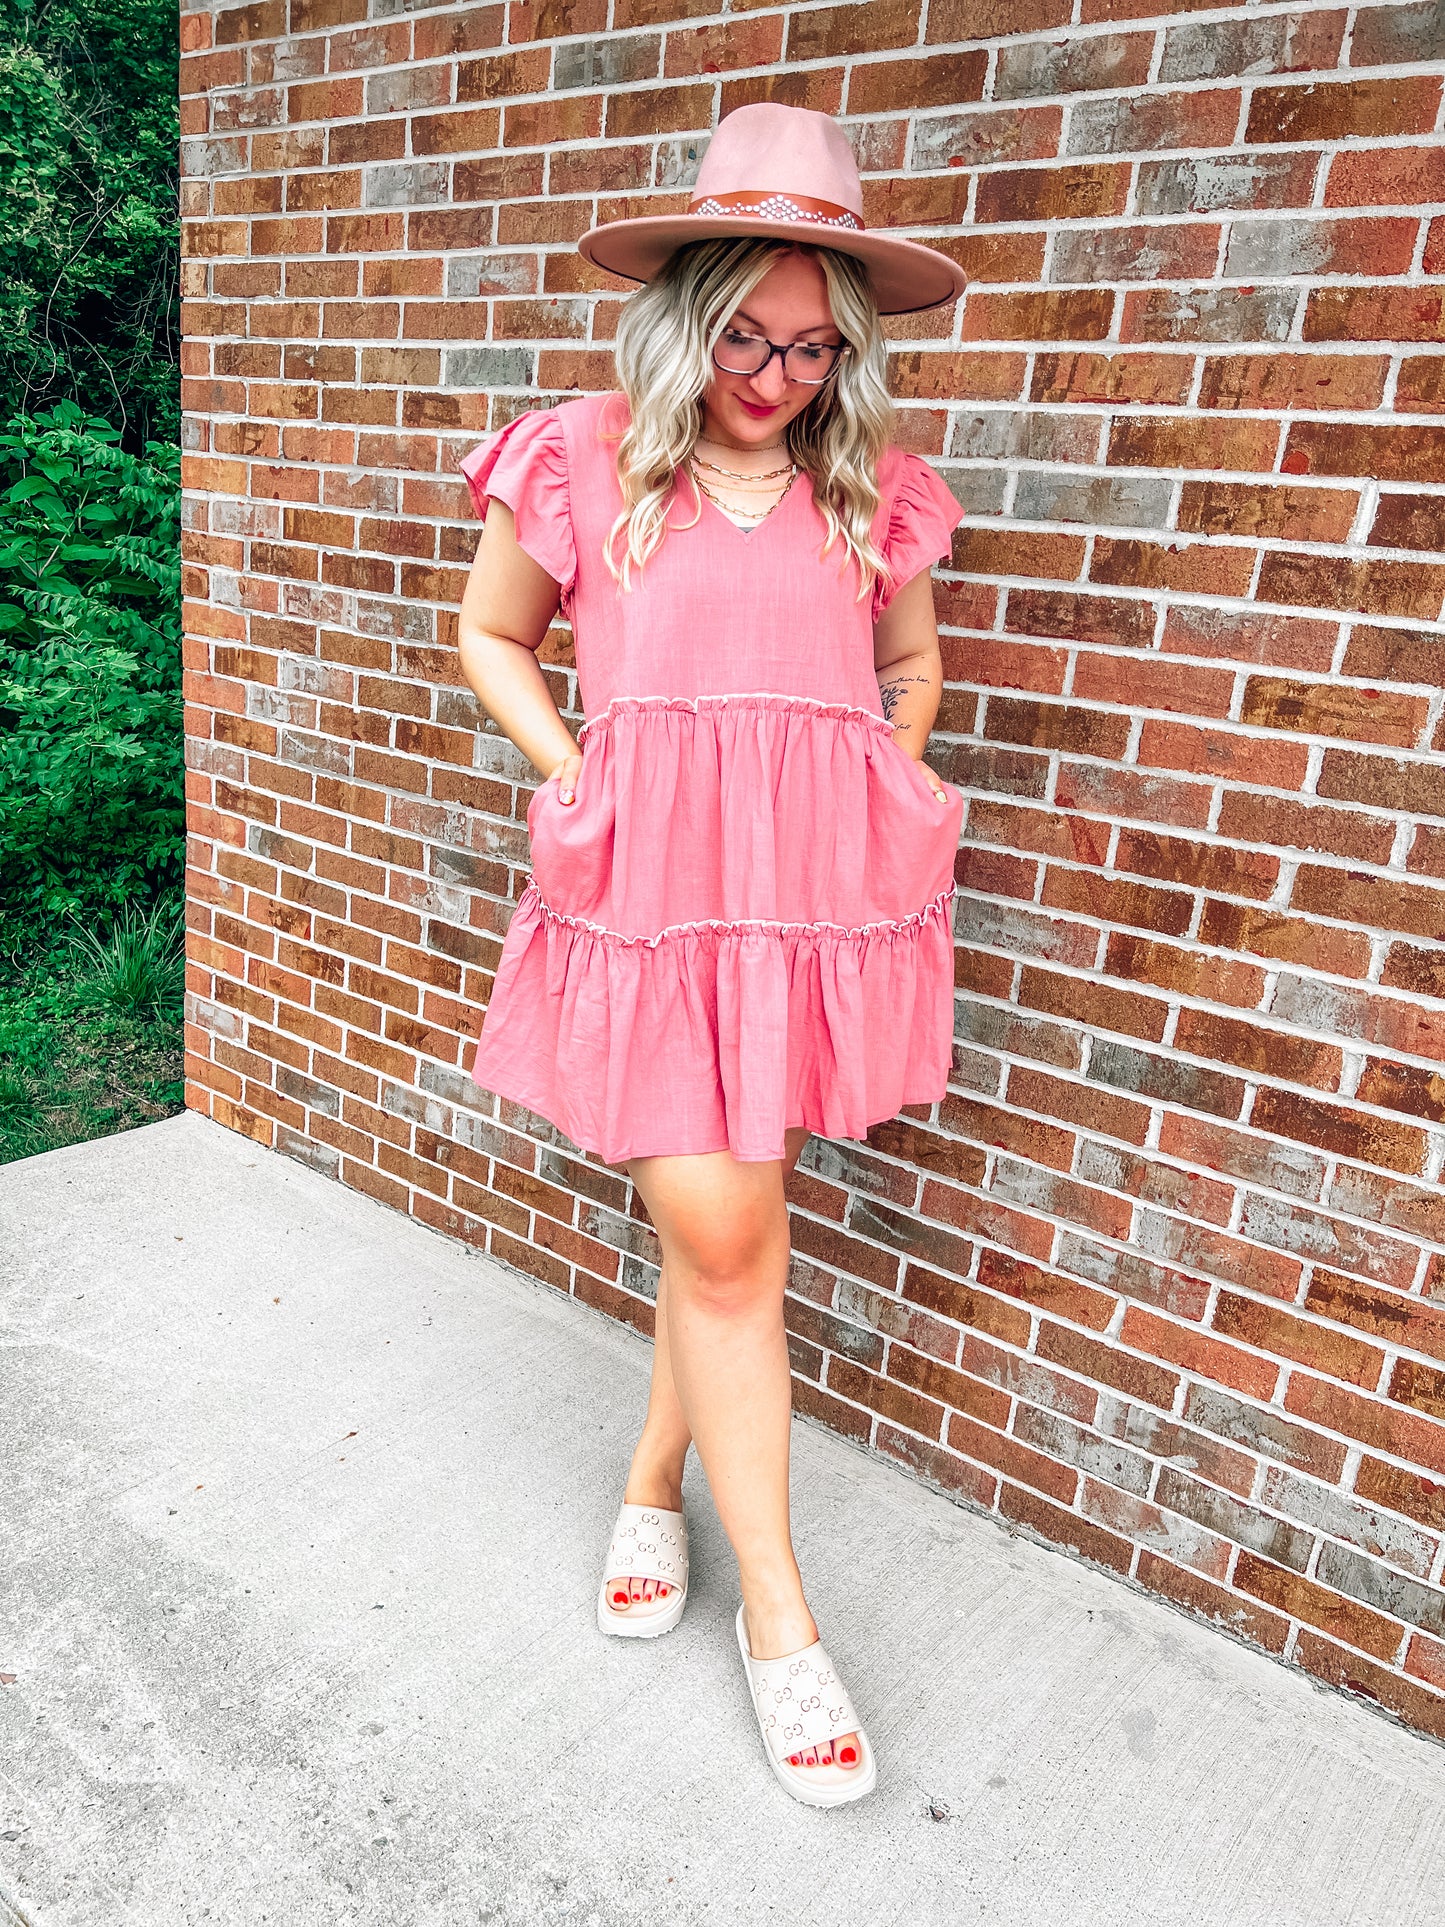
891 690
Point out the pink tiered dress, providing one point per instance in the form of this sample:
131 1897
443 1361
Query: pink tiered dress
743 922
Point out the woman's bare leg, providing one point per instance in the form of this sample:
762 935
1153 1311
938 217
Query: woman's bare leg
723 1225
655 1476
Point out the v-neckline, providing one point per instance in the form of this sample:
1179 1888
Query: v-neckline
772 515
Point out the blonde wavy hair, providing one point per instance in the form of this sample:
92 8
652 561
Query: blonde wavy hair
664 350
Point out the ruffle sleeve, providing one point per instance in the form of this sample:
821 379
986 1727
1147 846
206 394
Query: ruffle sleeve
921 516
525 466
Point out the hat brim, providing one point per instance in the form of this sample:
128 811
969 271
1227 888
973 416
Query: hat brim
905 276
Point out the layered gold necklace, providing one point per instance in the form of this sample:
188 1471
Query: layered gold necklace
731 482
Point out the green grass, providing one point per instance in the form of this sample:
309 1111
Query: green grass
90 1030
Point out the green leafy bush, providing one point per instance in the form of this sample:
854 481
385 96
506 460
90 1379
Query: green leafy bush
91 764
91 761
89 229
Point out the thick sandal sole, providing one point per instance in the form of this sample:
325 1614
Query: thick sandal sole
650 1625
790 1778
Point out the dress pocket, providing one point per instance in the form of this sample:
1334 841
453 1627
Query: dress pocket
572 843
912 837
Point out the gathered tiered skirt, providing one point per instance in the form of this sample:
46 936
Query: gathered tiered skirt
742 924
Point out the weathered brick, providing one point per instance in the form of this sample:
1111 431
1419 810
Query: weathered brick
1264 1431
1336 110
1134 253
986 19
1270 1328
1279 248
1386 177
1337 1128
1141 123
1058 496
1186 567
1351 1673
1404 454
1234 1519
1077 315
1082 618
1209 314
1163 441
1318 1605
1334 709
1280 43
1095 1110
1275 514
1378 902
1387 36
1402 1490
1064 1528
1408 589
1228 182
1410 1088
1409 522
987 135
1365 1526
1272 820
879 86
1375 314
1384 1424
1094 65
1053 193
1293 381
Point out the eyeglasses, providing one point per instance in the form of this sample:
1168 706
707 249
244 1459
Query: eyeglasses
809 362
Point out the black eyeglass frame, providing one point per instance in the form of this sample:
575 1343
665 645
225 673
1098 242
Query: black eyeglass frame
782 350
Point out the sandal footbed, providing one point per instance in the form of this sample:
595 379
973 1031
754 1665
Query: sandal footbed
649 1625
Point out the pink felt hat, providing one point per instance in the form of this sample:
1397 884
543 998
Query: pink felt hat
785 173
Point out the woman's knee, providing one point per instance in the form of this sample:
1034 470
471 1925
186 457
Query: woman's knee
723 1226
729 1265
734 1285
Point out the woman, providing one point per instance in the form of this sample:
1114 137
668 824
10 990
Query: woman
737 927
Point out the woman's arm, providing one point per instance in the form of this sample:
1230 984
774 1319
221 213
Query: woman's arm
506 612
910 669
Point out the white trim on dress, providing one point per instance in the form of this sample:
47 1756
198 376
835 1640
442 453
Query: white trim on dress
696 704
935 907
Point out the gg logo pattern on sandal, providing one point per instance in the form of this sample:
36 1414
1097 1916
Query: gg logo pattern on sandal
795 1707
648 1544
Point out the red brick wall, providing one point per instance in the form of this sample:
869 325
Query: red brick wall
1162 1278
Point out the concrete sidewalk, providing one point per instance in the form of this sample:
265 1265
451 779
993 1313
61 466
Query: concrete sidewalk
303 1508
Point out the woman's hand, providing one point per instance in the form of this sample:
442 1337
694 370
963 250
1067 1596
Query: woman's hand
567 770
935 782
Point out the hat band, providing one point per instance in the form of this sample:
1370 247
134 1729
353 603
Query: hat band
778 207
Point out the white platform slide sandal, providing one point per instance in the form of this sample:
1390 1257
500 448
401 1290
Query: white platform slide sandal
648 1542
800 1702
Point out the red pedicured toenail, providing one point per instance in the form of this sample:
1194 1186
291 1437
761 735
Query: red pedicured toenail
619 1598
847 1756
